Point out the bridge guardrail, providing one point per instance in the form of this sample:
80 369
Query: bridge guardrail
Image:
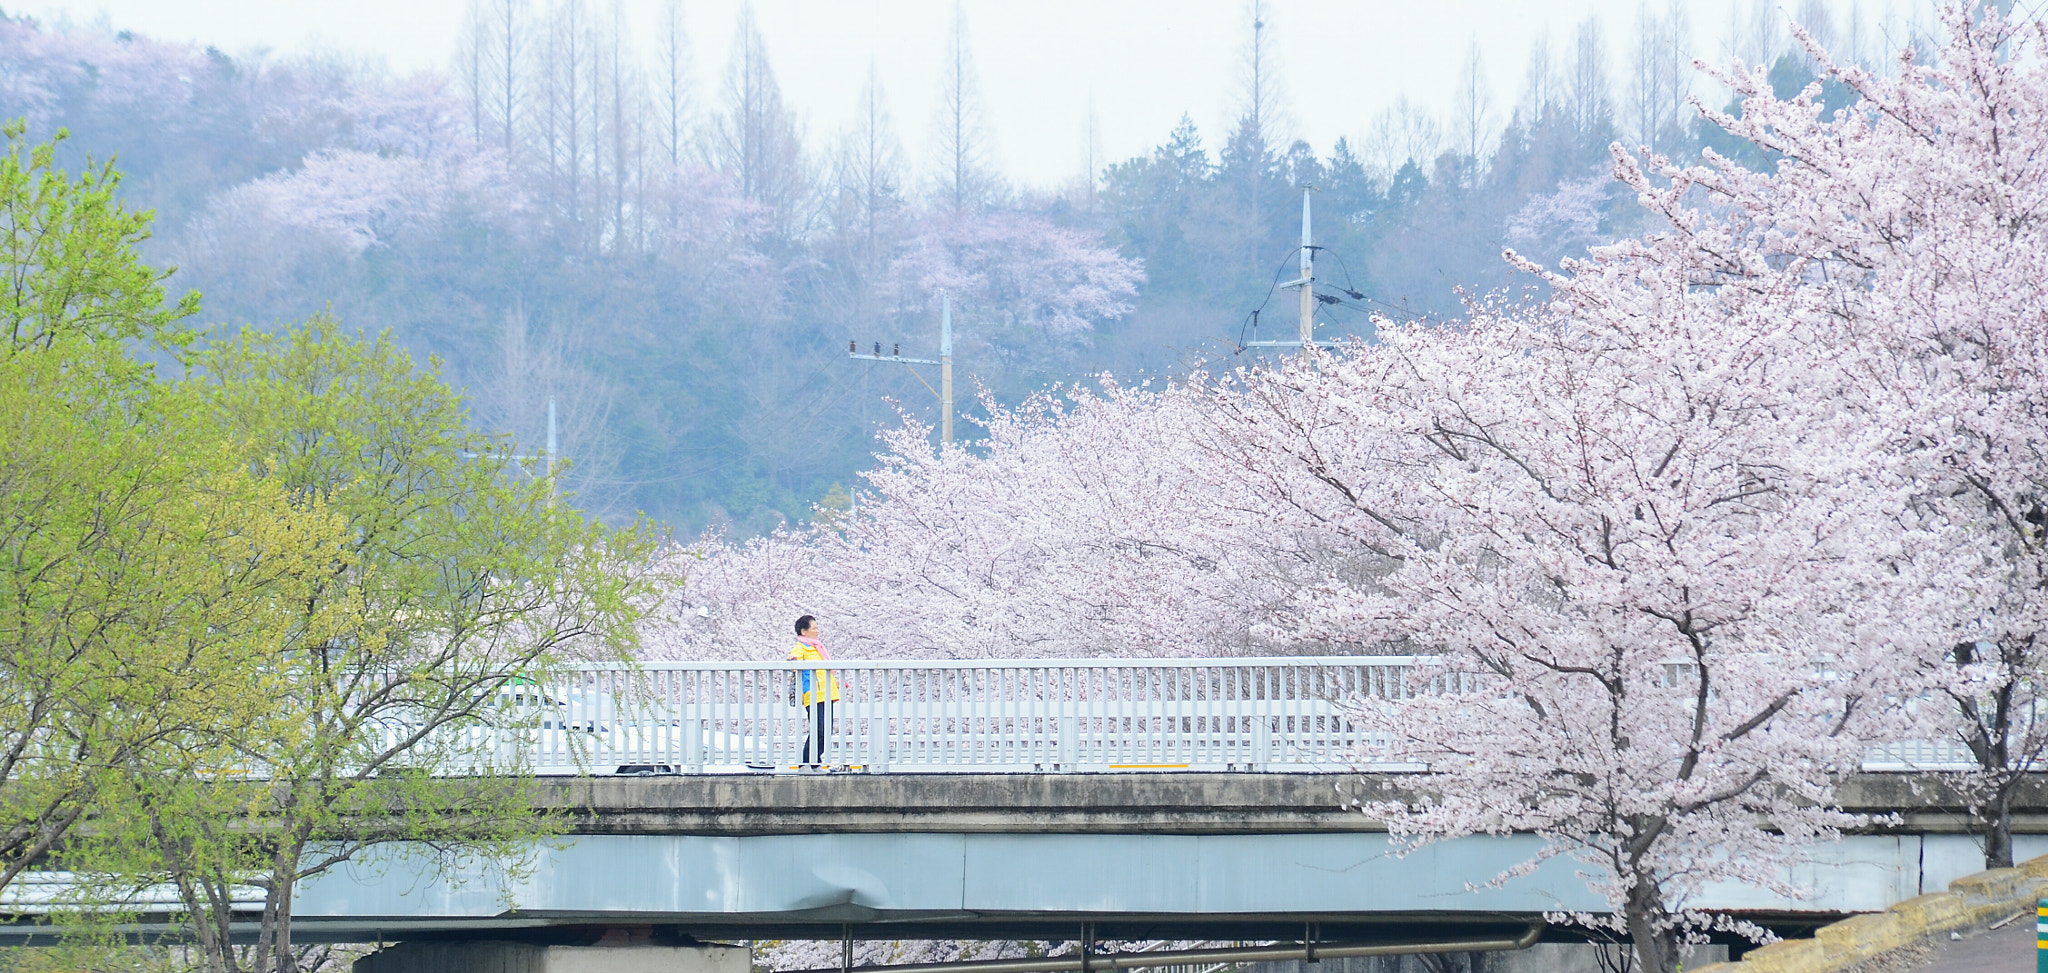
1037 715
988 716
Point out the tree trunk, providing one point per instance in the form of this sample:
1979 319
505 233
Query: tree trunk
284 869
1998 826
1655 944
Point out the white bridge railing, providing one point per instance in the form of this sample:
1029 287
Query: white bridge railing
1091 715
1022 715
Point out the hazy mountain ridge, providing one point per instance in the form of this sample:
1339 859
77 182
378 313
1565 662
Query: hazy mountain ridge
563 218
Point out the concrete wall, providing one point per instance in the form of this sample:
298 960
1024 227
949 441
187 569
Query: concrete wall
2000 895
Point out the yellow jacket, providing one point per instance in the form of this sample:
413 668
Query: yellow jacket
801 652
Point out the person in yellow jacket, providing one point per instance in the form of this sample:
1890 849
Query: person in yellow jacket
820 689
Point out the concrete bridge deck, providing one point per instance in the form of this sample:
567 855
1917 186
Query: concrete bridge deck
1135 856
1130 803
1227 856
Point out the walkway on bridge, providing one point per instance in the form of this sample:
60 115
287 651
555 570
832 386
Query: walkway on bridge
1254 715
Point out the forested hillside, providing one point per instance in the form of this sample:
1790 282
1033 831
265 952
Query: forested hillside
638 229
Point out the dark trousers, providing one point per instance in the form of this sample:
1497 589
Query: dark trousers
820 714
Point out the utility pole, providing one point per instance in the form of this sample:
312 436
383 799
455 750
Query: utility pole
553 489
1308 275
945 368
1307 283
944 361
546 457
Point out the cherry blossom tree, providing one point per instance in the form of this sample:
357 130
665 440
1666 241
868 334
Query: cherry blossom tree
186 119
1636 530
1567 220
734 597
1089 524
356 199
1919 214
1016 270
397 168
1797 431
1667 534
416 116
712 235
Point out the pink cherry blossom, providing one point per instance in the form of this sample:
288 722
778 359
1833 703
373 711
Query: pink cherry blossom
1018 271
1918 214
1089 524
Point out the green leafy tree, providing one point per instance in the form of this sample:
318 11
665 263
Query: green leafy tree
67 247
462 585
142 573
137 561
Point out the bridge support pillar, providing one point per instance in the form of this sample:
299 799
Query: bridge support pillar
503 957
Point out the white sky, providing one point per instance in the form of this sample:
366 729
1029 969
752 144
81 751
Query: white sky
1141 63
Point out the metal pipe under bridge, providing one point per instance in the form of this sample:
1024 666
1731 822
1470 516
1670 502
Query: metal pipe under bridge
1260 715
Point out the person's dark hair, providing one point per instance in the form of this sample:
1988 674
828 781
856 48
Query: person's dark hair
804 622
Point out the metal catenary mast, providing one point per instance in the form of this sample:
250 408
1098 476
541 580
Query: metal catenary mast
1307 284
